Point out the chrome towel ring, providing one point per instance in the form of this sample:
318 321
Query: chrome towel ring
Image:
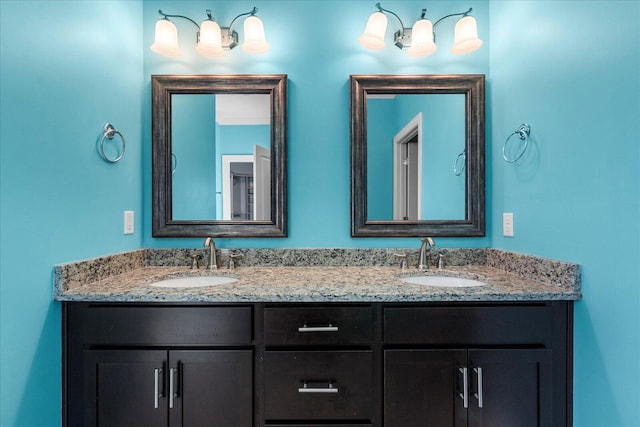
109 133
458 165
523 133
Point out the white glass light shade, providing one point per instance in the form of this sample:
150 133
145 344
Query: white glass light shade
373 36
466 38
210 43
254 39
422 39
166 39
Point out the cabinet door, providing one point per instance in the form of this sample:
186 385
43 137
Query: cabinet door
125 388
211 388
424 388
510 388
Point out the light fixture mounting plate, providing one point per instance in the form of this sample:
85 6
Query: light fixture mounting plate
229 39
402 38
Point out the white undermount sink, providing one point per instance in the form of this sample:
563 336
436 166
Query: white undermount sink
443 281
194 282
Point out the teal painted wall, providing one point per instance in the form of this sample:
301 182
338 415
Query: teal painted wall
575 195
573 72
66 68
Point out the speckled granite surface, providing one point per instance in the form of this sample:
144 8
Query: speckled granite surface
556 273
316 275
314 257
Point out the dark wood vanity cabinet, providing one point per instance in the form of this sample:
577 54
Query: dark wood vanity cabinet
468 388
131 387
477 365
318 365
158 365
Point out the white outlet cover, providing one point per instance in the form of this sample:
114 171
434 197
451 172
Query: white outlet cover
507 224
128 222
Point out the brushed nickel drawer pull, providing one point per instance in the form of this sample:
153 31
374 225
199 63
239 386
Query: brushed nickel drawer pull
328 328
306 389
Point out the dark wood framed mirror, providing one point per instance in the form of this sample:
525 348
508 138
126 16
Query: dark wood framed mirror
219 153
417 155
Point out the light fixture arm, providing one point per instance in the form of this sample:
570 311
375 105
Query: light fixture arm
166 16
381 9
463 14
251 13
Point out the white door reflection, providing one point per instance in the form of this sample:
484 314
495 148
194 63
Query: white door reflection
407 171
246 186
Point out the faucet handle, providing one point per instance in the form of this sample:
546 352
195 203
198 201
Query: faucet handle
194 262
403 263
232 260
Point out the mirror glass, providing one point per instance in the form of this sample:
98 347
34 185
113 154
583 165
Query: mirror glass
219 156
417 155
220 144
414 142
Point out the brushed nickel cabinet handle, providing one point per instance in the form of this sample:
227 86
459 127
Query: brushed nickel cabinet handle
465 388
172 372
478 395
156 387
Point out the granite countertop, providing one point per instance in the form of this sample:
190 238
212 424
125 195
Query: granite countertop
326 283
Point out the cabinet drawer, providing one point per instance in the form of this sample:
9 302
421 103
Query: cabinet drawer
470 325
318 385
149 325
318 326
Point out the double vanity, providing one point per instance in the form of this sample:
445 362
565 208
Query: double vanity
324 337
319 337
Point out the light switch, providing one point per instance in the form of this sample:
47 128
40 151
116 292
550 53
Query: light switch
507 224
128 222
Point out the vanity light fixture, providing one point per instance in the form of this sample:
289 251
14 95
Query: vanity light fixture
212 40
420 40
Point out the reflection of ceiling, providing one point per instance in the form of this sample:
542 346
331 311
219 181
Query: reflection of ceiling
241 168
382 96
243 109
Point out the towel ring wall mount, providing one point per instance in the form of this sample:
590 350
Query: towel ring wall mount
523 132
109 133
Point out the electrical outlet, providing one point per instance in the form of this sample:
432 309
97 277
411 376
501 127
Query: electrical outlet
128 222
507 224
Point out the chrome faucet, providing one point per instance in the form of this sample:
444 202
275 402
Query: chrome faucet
213 263
423 262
